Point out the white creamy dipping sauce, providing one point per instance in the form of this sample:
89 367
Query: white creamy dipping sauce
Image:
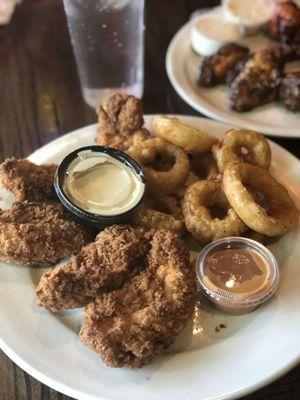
209 33
103 185
216 29
250 13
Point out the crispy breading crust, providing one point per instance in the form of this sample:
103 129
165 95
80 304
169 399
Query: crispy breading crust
28 181
115 256
120 122
162 213
37 233
129 326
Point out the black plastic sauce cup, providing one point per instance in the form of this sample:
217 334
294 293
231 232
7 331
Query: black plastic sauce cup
83 216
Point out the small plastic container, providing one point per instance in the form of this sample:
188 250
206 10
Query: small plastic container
209 33
84 209
249 15
237 301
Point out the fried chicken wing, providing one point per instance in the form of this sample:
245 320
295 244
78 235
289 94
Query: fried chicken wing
28 181
290 91
214 69
258 81
129 326
118 253
290 51
38 233
284 24
120 122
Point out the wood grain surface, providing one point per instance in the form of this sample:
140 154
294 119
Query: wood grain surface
40 100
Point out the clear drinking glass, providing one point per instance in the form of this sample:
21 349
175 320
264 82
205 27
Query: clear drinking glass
108 42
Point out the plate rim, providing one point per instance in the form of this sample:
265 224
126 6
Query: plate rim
204 108
80 395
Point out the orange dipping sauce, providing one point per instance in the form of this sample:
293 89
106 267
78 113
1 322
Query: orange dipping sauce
237 274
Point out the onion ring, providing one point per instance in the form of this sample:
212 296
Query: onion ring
162 213
204 166
191 139
172 161
197 205
282 214
242 145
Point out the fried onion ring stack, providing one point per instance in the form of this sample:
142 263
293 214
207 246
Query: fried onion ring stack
222 196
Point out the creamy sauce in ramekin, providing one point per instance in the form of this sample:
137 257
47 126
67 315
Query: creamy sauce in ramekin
217 29
250 15
209 33
102 185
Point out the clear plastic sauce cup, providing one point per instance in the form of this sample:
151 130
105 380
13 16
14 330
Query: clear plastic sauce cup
237 274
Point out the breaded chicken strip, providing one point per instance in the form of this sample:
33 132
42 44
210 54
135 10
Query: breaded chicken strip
119 252
120 122
130 326
28 181
38 233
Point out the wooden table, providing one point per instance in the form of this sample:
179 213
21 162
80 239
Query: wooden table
40 100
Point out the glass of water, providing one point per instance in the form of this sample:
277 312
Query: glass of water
108 42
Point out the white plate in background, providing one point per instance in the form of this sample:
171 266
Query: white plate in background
182 65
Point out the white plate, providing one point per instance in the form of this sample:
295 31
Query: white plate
182 66
250 352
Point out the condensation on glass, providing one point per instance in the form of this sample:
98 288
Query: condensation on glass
108 42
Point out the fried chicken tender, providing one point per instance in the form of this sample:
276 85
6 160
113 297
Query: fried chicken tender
117 254
120 122
28 181
130 326
38 233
